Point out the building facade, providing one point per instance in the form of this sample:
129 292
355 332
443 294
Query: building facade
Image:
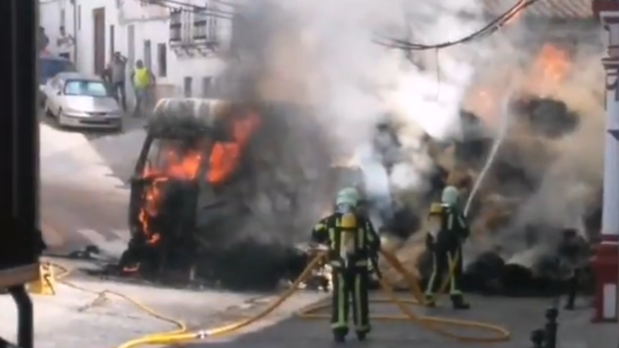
183 42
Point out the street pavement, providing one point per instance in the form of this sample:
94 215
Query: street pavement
74 318
518 315
84 192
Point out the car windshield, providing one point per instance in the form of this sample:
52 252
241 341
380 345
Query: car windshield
85 88
50 67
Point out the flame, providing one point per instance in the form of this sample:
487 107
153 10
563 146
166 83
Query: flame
223 161
224 157
549 69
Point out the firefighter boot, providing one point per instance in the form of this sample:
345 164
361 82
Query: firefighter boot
458 302
362 335
430 301
339 335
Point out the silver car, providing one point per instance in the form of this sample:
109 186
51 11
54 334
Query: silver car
78 101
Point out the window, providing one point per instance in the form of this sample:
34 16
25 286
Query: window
205 24
162 60
62 18
148 62
165 154
199 24
206 87
211 24
187 87
176 24
79 17
85 88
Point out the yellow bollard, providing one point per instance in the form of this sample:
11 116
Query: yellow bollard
46 284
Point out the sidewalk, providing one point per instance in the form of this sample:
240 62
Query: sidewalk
74 318
520 316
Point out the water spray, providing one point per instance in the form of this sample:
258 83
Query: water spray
503 127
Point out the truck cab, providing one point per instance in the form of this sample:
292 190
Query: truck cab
219 182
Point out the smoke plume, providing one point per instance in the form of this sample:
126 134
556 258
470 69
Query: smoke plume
324 54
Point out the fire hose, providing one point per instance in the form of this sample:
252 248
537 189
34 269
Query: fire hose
434 324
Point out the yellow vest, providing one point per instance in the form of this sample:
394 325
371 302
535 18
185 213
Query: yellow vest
141 79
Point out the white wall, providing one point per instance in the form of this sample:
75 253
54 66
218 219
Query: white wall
150 23
50 18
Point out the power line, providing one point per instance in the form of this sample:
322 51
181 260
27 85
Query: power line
485 31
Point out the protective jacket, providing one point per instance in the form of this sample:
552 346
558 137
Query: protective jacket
447 232
351 239
352 242
448 227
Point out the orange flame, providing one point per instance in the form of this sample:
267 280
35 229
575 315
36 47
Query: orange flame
550 68
223 161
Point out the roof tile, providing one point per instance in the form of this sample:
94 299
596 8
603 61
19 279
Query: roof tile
550 9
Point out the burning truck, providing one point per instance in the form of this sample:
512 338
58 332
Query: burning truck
221 190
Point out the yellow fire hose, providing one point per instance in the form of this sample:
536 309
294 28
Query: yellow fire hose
430 323
435 324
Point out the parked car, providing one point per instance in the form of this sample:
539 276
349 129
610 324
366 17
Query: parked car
49 66
79 101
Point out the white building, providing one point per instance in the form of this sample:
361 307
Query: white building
176 39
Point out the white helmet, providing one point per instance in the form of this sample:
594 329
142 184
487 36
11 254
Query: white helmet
450 195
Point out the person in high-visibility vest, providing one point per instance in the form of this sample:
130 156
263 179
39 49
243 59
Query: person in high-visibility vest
448 230
143 80
352 242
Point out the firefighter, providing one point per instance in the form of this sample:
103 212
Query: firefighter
448 230
351 241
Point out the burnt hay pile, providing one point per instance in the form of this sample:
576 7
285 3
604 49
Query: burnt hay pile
510 252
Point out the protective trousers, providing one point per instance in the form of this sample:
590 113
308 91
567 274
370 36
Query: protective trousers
442 262
350 286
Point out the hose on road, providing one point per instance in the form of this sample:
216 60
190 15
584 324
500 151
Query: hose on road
102 295
435 324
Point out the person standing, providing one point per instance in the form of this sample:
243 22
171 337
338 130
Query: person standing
143 80
351 241
574 253
65 43
448 231
117 72
42 39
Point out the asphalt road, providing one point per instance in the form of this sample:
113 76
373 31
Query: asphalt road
519 316
84 196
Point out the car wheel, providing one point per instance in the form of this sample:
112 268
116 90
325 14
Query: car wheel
56 118
42 101
47 112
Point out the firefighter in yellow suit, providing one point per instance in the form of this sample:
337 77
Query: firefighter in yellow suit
447 231
352 242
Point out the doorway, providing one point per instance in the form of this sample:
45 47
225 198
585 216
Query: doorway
112 41
98 19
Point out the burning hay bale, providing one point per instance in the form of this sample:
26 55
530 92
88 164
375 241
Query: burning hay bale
518 173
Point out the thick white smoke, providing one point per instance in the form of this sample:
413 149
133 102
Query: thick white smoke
356 82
